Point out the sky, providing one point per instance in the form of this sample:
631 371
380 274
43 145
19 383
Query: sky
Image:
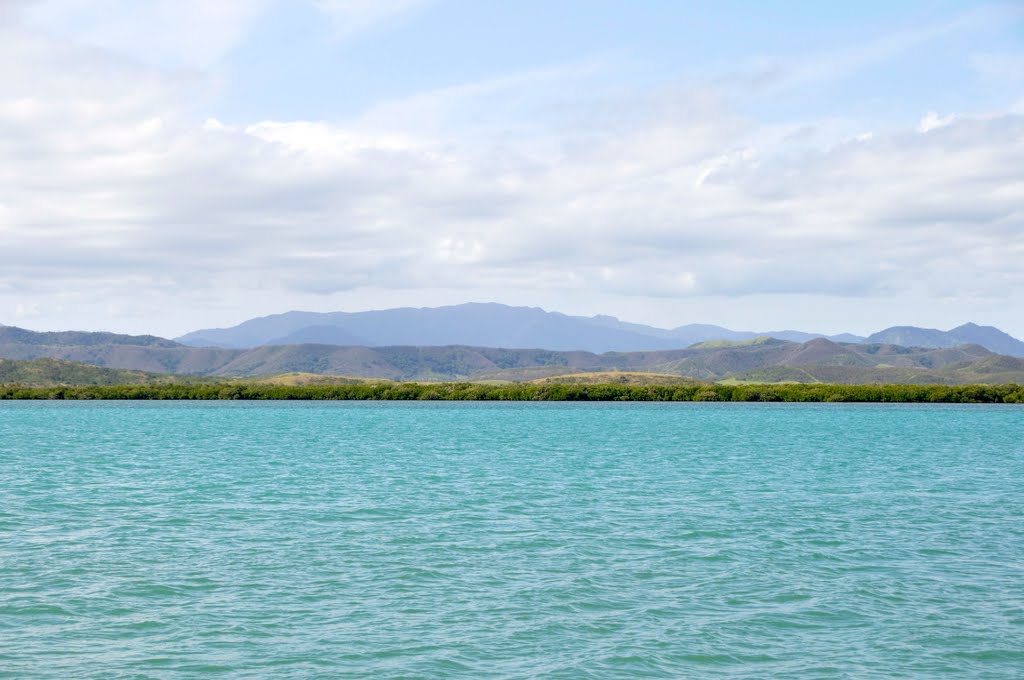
169 165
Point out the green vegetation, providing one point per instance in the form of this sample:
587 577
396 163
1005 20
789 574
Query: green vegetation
718 344
762 360
51 372
959 394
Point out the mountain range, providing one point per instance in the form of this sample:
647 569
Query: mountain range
761 359
495 325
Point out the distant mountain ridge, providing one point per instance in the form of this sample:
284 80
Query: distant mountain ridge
496 325
473 324
762 360
988 337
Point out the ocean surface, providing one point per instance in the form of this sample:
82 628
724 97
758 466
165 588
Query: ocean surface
508 540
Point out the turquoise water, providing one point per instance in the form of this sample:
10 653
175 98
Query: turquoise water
474 540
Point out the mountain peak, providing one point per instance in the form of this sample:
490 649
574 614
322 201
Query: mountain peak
493 324
989 337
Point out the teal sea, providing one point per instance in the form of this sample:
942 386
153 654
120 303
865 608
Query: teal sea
510 540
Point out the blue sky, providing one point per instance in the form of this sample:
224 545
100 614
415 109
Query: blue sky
887 58
169 165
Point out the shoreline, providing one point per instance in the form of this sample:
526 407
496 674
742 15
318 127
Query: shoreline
793 392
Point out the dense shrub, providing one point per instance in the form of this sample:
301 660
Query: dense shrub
951 394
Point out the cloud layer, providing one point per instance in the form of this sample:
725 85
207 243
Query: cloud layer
114 186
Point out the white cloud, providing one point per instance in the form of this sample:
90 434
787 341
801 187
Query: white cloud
933 121
111 190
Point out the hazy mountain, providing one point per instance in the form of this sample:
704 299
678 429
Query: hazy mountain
474 324
696 332
756 359
487 325
320 335
987 336
912 336
259 331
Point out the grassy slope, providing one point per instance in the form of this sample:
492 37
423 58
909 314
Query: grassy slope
974 373
718 344
761 360
299 379
615 378
47 372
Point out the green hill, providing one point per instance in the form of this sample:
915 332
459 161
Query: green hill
615 378
56 372
757 360
716 344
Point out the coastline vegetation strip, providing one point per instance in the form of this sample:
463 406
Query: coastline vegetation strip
789 392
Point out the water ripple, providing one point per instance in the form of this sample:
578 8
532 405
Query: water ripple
511 540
